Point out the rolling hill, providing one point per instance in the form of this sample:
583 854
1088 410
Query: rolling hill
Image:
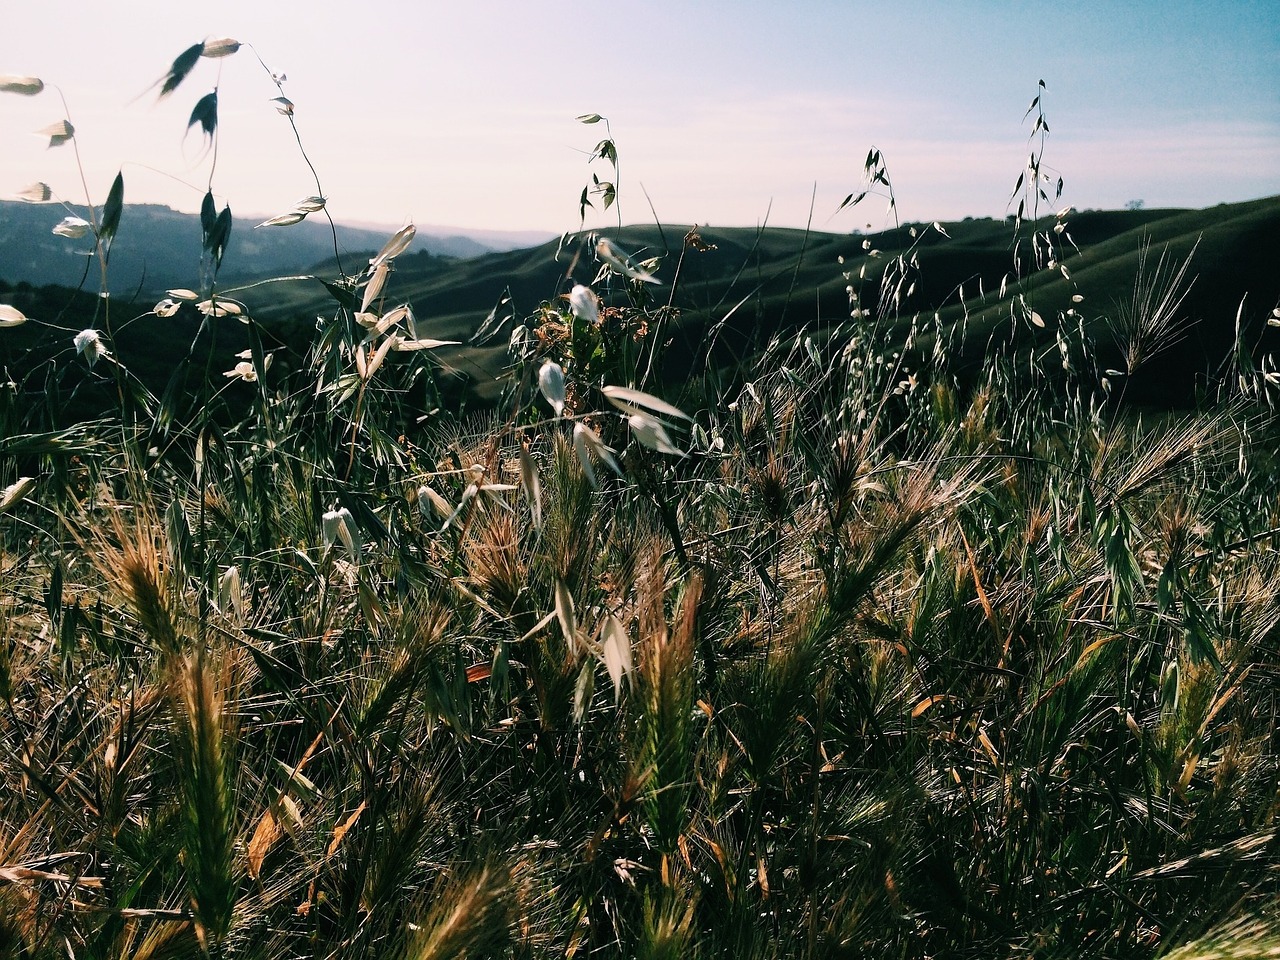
749 285
772 280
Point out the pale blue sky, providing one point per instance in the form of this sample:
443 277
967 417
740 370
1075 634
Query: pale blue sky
463 113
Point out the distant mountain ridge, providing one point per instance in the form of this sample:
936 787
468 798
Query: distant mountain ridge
158 247
496 241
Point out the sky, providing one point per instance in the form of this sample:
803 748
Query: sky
725 114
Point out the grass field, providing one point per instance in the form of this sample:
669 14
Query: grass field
902 632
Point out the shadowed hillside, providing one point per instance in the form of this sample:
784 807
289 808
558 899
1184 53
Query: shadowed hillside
745 286
732 290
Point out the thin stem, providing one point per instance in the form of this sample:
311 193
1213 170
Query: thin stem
293 125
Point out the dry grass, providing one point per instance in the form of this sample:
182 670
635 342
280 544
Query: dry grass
915 669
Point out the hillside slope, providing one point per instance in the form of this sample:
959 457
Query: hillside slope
743 286
770 281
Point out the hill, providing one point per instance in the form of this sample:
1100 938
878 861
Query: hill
747 285
732 290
